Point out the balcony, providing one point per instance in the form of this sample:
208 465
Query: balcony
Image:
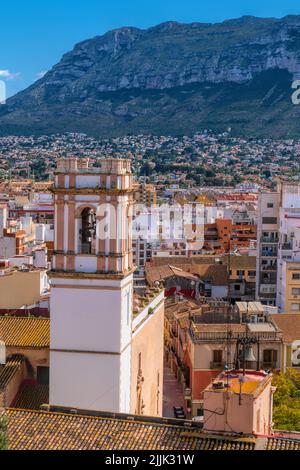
270 267
269 240
268 282
267 295
286 246
271 254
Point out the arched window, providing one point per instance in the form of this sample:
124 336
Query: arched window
88 231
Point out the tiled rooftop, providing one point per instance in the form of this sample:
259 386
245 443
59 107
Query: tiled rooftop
25 332
32 396
32 430
217 273
289 324
7 371
40 430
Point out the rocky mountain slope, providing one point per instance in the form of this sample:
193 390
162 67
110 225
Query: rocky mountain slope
173 78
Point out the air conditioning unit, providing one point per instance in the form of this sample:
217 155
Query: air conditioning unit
218 385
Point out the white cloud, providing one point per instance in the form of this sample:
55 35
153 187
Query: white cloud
41 74
8 75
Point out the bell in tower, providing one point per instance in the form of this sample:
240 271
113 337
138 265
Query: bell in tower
249 355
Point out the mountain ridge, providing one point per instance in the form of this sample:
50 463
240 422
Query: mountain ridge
133 80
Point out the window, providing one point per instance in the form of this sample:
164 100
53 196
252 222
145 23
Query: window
270 356
217 356
295 307
252 273
270 205
269 220
296 276
295 291
237 287
43 375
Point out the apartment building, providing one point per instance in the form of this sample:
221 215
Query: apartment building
224 235
288 273
22 287
242 275
201 339
144 194
278 247
267 246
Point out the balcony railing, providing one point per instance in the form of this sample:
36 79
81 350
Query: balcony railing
267 295
269 240
269 268
286 246
272 254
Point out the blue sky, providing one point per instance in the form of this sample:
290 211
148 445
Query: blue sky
35 34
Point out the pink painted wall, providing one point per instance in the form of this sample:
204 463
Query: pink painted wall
223 411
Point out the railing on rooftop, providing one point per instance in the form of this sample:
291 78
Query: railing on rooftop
232 336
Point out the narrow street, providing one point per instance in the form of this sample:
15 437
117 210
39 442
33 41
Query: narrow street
173 394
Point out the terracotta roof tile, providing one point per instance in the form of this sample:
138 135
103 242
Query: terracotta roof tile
289 324
216 273
244 262
32 396
7 372
33 430
25 332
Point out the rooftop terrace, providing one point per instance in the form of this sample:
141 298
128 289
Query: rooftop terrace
236 382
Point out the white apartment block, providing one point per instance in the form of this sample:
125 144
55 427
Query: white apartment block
278 247
267 246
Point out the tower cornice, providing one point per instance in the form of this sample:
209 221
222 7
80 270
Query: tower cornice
81 275
90 191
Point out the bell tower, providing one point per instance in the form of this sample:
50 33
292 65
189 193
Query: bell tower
92 286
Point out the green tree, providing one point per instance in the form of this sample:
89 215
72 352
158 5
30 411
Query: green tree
3 432
286 415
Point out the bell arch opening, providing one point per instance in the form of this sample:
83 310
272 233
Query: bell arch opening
87 231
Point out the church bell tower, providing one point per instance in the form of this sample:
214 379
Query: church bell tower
92 286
